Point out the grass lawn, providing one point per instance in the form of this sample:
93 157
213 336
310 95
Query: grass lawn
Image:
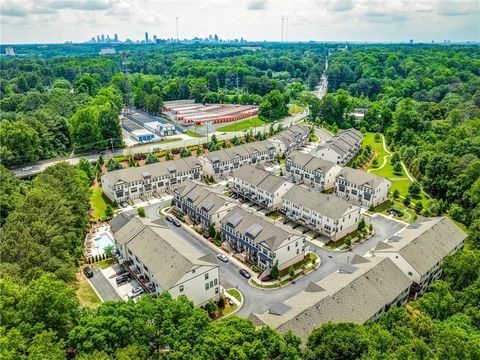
98 204
274 215
314 138
295 109
229 310
192 133
104 263
86 295
235 293
369 139
241 125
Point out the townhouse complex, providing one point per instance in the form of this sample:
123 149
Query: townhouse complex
361 187
161 260
260 186
290 139
201 204
324 213
419 249
310 170
361 290
262 241
342 147
134 182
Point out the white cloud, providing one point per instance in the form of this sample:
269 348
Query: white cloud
257 4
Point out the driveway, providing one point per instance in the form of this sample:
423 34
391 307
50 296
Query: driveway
103 287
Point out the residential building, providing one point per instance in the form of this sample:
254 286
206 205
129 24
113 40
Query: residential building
200 204
361 188
107 51
260 186
419 249
222 162
10 51
290 138
262 241
152 179
325 213
307 169
358 292
342 147
160 260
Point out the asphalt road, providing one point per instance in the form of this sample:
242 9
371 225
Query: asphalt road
41 166
103 286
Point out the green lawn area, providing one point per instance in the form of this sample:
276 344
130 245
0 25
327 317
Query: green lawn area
241 125
369 139
98 204
314 138
229 310
274 215
235 293
192 133
86 295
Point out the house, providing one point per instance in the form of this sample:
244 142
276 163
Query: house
160 260
222 162
260 186
152 179
342 147
290 138
357 292
262 241
326 214
419 249
362 188
310 170
201 204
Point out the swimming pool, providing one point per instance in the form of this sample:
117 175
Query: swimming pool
102 241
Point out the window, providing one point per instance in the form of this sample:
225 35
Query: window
288 248
206 276
206 286
211 283
181 288
410 273
216 290
193 271
146 268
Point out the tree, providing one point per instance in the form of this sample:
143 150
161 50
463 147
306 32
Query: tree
407 201
273 106
87 168
414 189
151 159
291 272
185 153
361 224
397 168
13 134
113 164
274 271
141 212
212 231
418 207
85 130
395 159
377 137
109 250
168 155
396 194
213 144
108 211
211 308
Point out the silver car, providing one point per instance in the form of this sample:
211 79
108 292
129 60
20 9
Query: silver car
135 292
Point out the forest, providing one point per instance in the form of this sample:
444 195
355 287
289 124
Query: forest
424 99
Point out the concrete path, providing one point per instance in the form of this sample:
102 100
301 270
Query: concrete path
102 286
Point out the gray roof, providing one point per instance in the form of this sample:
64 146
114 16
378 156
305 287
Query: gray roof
260 178
242 151
310 162
290 134
162 168
117 222
361 178
167 255
271 234
426 243
324 204
201 197
343 142
347 297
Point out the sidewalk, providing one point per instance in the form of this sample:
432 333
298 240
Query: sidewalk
145 203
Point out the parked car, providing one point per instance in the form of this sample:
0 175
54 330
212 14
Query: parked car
27 168
88 272
123 204
222 258
245 273
135 292
122 271
122 279
169 218
176 222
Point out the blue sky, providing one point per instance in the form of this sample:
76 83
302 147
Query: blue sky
52 21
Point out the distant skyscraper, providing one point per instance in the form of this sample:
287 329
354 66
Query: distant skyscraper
115 37
9 51
216 38
154 39
411 41
146 37
98 38
103 38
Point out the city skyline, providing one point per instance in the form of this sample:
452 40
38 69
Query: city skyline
256 20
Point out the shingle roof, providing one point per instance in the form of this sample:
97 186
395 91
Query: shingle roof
260 178
271 234
354 297
117 222
167 255
343 142
425 242
324 204
243 151
361 178
310 162
132 174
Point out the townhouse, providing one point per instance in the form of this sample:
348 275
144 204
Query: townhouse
291 138
419 249
160 260
357 292
361 188
200 204
262 241
310 170
222 162
149 179
342 147
326 214
260 186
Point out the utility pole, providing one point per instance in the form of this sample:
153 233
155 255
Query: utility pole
286 28
176 20
282 28
126 81
111 143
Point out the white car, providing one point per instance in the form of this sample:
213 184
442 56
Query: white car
27 168
222 257
135 292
